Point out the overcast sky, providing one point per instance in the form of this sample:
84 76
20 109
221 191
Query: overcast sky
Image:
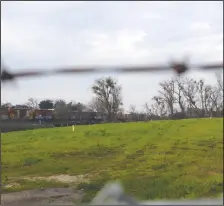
59 33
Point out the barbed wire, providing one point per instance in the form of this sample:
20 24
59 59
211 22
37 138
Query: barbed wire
177 67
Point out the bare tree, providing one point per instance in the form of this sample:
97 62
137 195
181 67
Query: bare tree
203 97
153 111
32 103
182 97
165 101
132 109
216 101
134 114
107 96
167 96
96 105
178 91
147 108
159 107
219 79
190 91
219 90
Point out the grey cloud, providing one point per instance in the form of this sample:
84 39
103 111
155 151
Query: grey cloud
49 34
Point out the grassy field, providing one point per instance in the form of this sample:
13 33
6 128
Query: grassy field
153 160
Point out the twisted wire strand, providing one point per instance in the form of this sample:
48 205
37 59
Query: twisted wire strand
178 68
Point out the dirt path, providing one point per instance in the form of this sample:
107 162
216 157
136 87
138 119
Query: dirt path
52 196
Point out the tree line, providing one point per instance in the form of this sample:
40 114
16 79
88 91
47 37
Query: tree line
177 98
184 97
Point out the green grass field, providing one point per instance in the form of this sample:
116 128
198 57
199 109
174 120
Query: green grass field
153 160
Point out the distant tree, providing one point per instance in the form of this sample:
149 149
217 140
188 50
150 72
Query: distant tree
180 99
46 104
71 105
6 105
32 103
62 109
184 97
21 106
167 95
60 103
219 79
96 105
79 107
133 112
132 109
107 97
